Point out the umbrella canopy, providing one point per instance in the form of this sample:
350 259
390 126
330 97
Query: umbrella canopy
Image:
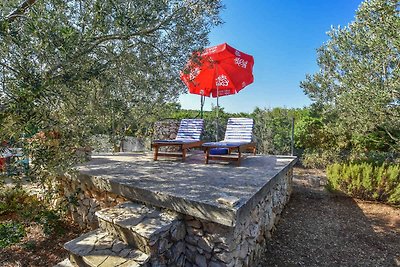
218 71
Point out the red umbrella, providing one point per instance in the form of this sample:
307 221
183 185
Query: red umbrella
218 71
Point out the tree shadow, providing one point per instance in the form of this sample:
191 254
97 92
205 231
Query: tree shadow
318 228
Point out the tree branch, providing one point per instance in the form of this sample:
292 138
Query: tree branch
20 10
114 37
8 67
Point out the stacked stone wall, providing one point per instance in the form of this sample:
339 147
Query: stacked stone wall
205 243
166 130
213 244
83 200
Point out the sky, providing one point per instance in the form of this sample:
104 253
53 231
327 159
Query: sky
282 36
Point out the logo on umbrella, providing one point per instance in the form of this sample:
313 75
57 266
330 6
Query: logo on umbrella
194 73
222 80
240 62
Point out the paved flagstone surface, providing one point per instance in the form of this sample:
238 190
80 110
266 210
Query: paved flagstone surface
219 191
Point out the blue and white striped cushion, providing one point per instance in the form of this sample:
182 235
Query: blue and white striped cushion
190 129
239 130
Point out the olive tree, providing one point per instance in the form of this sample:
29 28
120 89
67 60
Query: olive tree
68 67
359 78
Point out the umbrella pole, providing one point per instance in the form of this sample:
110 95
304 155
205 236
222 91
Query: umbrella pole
217 121
202 100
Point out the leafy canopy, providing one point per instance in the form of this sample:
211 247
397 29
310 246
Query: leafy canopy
81 66
359 76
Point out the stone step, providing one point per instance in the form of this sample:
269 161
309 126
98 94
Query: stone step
150 230
64 263
98 248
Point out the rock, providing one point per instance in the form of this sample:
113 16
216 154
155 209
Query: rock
195 231
194 224
216 264
227 200
179 248
192 240
201 261
178 231
205 245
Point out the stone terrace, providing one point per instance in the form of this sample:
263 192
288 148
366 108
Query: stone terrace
218 192
182 214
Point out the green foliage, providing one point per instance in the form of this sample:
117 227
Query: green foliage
82 67
357 85
16 200
26 209
50 221
319 158
366 181
11 233
272 129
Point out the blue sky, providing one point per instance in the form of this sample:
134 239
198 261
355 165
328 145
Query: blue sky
283 36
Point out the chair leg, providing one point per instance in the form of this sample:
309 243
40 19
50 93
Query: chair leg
207 155
183 154
239 158
155 153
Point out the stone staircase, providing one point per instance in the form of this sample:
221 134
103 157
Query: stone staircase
130 234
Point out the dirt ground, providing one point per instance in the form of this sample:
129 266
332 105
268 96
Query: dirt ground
37 249
316 228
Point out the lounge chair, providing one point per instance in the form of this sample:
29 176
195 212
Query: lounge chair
238 137
188 137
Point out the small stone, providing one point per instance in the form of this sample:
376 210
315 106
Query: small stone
179 248
180 261
178 232
201 261
194 231
227 200
253 230
224 256
194 223
244 249
205 245
192 240
191 248
216 264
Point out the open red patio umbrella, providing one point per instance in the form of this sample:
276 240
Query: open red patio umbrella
218 71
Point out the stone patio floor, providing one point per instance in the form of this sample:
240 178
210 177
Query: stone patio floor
218 192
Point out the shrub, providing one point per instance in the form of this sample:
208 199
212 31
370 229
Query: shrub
366 181
23 210
11 233
319 158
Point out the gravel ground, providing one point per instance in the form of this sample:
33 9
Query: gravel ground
318 228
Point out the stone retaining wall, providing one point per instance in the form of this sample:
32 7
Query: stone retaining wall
212 244
205 243
83 200
166 130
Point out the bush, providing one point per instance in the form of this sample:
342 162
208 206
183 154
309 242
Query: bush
11 233
319 158
20 210
366 181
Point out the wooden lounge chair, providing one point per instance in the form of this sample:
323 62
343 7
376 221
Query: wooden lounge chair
238 138
188 136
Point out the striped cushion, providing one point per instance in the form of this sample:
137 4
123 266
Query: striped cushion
190 129
239 130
